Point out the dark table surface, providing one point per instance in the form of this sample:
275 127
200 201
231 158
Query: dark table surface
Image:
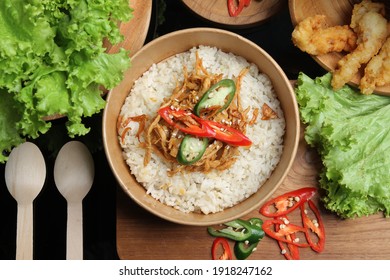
99 206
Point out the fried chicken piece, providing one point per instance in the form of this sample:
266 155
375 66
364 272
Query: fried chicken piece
371 28
377 71
314 36
359 10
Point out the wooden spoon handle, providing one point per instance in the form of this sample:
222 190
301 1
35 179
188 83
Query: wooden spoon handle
74 237
24 232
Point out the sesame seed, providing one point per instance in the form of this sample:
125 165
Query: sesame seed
283 251
296 240
297 198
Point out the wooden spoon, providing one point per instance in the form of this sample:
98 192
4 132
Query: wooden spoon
73 174
25 173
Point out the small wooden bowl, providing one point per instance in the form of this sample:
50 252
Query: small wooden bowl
337 13
165 47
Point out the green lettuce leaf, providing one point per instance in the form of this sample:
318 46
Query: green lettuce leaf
352 135
52 61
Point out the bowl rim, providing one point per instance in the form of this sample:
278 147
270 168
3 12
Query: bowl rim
207 218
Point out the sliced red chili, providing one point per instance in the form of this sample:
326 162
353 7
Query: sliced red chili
229 135
186 122
278 230
316 226
236 10
218 244
291 252
191 124
286 203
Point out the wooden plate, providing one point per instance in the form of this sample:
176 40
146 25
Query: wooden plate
337 13
134 33
216 11
136 29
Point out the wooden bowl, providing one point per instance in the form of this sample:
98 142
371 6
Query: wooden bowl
337 13
163 48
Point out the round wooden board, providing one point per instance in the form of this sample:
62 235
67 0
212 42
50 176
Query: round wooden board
337 13
134 32
217 11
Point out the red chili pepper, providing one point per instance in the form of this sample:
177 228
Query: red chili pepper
274 229
286 203
228 134
185 122
292 251
316 226
226 252
236 10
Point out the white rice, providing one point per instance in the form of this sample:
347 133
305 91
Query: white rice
216 190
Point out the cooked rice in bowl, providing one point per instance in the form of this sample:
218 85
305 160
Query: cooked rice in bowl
212 191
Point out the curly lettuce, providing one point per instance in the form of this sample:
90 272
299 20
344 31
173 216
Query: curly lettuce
52 61
351 132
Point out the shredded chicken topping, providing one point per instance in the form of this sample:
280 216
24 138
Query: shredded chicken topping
164 140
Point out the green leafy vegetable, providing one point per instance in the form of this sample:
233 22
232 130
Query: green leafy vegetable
52 61
352 134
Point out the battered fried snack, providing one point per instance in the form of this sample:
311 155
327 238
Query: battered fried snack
377 71
314 36
371 27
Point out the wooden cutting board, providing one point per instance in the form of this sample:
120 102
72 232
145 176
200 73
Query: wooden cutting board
141 235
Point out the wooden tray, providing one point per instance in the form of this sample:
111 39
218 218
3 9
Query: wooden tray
141 235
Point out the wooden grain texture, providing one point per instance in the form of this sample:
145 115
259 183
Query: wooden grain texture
216 11
141 235
135 30
337 13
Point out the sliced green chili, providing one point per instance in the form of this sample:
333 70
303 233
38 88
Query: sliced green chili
218 97
191 149
239 230
243 250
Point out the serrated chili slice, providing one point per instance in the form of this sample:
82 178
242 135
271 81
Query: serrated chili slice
316 225
286 203
278 230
